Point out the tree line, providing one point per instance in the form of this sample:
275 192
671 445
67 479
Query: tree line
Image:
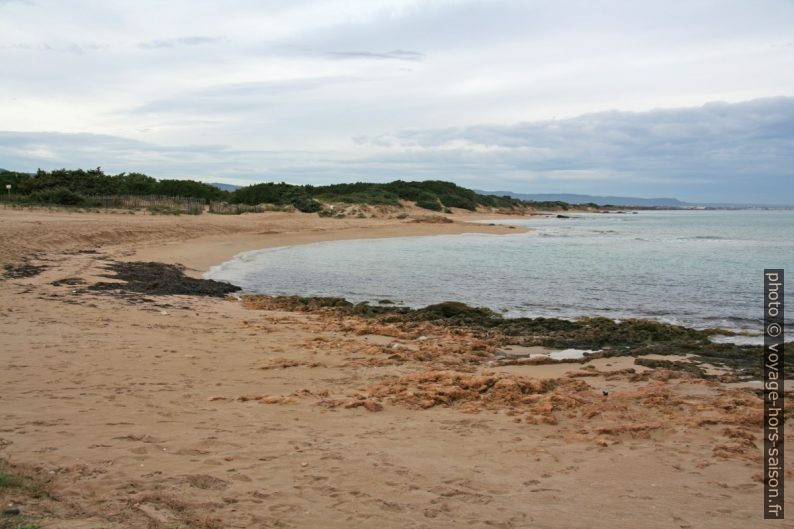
76 187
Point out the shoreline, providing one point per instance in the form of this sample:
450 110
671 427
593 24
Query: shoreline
138 409
199 242
201 254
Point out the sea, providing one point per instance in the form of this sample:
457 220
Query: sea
695 268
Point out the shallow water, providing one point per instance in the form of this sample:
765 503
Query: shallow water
697 268
570 354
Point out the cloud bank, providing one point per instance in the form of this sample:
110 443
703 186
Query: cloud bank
647 98
716 152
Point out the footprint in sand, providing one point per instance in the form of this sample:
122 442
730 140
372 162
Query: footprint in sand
206 482
284 508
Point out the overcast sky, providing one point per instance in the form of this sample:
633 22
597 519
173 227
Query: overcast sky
690 99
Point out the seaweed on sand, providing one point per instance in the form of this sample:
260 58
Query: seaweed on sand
161 279
294 303
70 281
452 312
631 337
22 270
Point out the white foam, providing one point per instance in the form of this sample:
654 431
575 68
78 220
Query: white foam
738 340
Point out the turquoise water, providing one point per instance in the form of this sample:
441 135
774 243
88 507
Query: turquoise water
697 268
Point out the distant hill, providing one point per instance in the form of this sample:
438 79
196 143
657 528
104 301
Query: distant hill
225 187
590 199
434 195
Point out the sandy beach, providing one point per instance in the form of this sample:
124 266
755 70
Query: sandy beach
183 411
201 241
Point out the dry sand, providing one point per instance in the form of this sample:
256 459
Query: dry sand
178 411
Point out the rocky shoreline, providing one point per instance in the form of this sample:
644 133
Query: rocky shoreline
608 338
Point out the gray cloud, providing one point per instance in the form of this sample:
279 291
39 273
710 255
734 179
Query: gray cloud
742 149
296 81
708 153
237 97
196 40
51 150
71 47
400 55
81 49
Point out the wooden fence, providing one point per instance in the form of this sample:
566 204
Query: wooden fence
152 203
190 205
224 208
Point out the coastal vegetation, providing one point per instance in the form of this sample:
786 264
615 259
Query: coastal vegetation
94 188
433 195
20 486
19 479
78 186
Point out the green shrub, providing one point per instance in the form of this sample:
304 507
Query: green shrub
426 194
222 208
432 205
9 481
58 195
164 210
94 182
306 204
265 193
189 188
453 201
74 187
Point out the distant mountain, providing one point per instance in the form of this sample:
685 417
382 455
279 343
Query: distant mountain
15 172
225 187
588 199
